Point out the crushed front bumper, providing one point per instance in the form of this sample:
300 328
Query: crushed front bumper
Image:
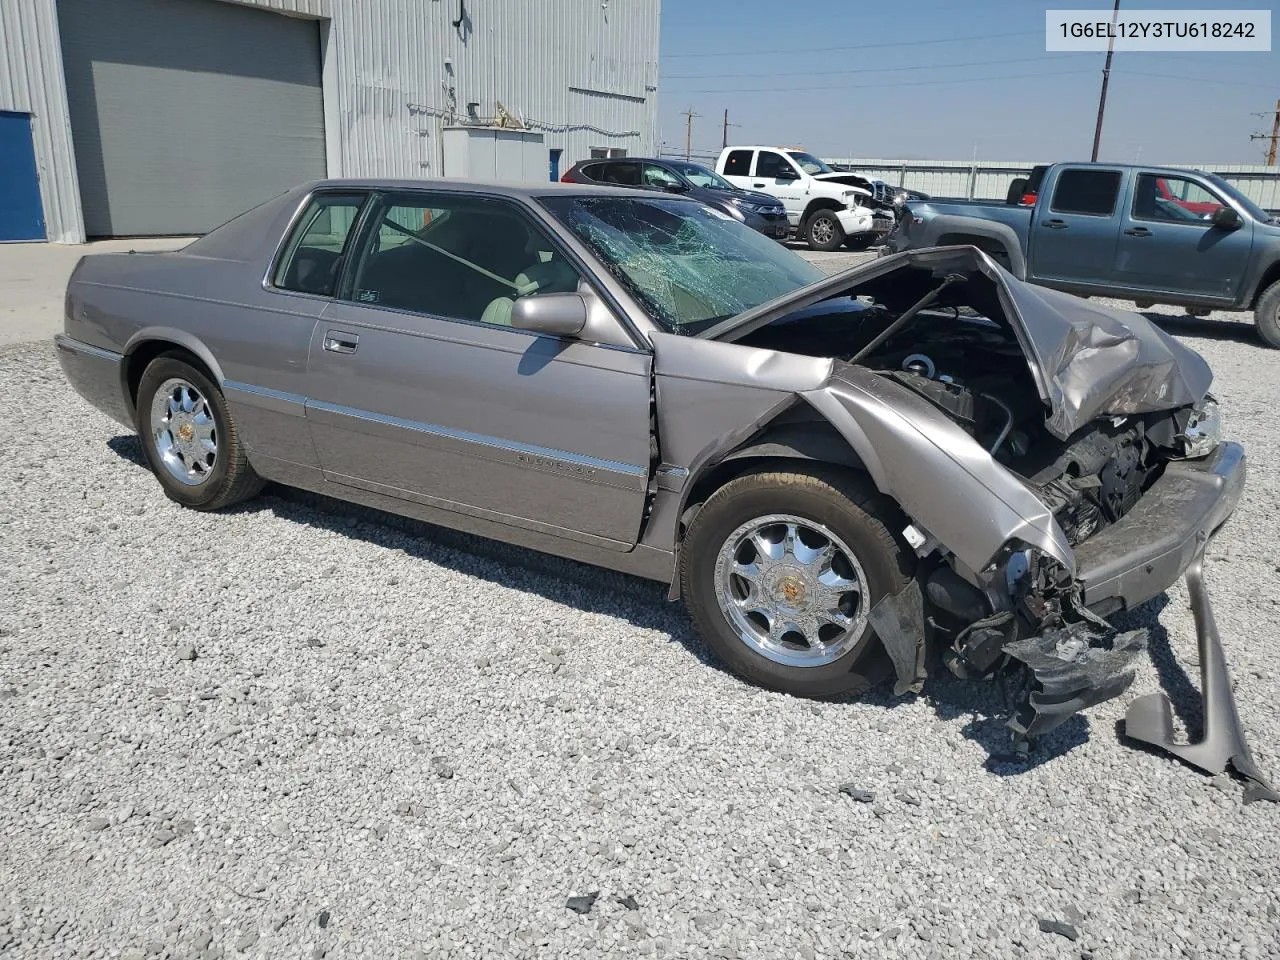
1163 537
1147 551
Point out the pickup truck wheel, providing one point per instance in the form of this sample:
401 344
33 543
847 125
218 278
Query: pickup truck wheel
1267 315
780 571
189 437
823 231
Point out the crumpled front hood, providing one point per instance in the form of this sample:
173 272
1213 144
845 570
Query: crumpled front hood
849 180
1086 360
1093 360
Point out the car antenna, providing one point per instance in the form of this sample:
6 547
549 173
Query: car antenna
906 316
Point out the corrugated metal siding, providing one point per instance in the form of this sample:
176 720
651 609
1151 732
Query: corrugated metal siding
990 179
315 9
580 73
31 81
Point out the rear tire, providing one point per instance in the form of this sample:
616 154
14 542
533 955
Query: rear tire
1267 315
825 505
189 437
823 232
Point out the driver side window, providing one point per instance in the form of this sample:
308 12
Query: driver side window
457 257
1172 200
656 176
773 166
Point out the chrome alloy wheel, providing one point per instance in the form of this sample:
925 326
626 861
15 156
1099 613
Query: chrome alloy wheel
792 590
822 231
184 432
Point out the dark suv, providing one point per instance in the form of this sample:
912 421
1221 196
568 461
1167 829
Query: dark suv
757 210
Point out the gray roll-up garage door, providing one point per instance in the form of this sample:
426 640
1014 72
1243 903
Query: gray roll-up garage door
185 113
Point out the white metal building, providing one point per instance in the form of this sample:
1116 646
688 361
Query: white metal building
167 117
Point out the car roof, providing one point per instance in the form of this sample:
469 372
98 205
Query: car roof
501 188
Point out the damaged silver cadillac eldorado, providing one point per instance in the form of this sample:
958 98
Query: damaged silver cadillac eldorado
835 473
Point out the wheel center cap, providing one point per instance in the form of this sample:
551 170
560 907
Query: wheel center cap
186 433
789 588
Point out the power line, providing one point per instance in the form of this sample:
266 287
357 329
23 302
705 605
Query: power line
870 86
1184 76
858 46
811 73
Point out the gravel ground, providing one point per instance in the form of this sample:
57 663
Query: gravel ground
301 727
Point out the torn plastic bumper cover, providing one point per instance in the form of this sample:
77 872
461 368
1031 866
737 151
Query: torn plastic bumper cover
1150 718
1084 663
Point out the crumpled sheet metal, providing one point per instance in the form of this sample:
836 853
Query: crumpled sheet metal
1073 672
1087 360
1097 361
1150 718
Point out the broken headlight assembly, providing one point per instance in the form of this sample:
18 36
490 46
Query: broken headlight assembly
1203 431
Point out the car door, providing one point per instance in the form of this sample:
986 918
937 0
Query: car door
775 174
1168 243
1074 227
420 389
264 344
737 168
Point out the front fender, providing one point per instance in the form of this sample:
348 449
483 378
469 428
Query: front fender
940 476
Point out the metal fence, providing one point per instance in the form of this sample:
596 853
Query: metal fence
989 180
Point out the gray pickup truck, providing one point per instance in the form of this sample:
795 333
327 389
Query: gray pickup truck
1147 234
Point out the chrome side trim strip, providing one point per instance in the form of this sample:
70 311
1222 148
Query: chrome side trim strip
77 346
292 404
496 443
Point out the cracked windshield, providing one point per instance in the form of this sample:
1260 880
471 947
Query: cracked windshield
688 265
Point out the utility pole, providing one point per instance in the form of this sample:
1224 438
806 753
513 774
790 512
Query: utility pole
1106 77
1273 136
724 141
688 131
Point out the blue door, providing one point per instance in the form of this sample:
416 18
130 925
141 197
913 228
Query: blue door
21 216
555 165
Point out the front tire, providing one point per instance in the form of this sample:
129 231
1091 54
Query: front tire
780 571
189 437
1267 315
823 231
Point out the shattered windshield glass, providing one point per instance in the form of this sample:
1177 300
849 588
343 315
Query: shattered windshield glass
689 266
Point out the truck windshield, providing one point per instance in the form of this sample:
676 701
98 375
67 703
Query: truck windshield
689 266
1254 210
808 162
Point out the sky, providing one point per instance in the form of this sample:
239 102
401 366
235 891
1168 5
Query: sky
950 80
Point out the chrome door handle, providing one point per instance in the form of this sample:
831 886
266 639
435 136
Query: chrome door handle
1055 224
336 341
1138 232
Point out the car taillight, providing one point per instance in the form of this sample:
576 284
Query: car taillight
1028 200
567 179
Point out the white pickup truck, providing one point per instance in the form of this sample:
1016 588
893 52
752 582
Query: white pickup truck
824 207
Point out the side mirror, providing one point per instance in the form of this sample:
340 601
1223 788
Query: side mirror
786 174
559 314
675 187
1226 218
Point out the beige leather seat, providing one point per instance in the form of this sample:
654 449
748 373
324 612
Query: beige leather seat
552 275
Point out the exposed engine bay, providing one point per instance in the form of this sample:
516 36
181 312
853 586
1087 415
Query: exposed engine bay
946 340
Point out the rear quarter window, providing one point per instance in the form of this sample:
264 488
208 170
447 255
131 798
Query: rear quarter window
738 163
